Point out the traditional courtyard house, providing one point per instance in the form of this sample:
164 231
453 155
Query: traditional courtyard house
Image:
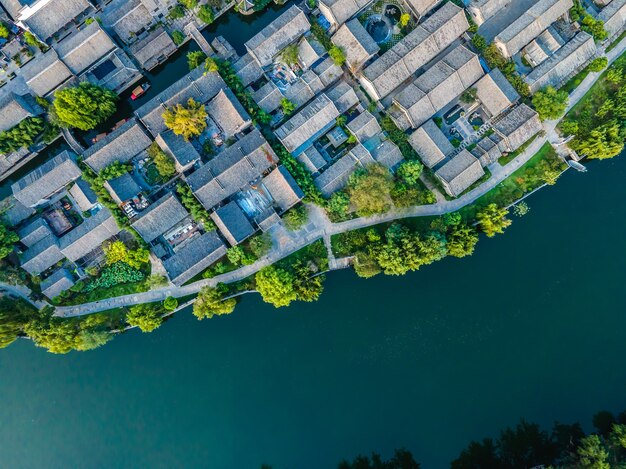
277 35
160 217
122 145
495 93
153 49
458 174
159 8
614 17
195 85
283 188
47 18
89 235
565 63
180 150
518 126
327 71
38 186
233 223
364 126
194 257
483 10
545 45
530 24
336 176
269 97
247 69
122 188
34 232
431 144
232 169
343 96
309 52
414 51
226 110
338 12
57 283
306 126
14 108
357 44
385 152
436 88
305 88
41 256
83 195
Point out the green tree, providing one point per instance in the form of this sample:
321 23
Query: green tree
592 454
114 170
492 220
594 27
598 64
404 20
260 244
178 37
4 30
461 240
370 189
365 265
603 142
211 302
469 95
409 172
189 4
338 55
147 317
188 121
338 205
14 314
296 217
402 459
31 40
84 106
276 286
190 202
7 239
521 208
164 163
290 55
92 339
210 65
205 14
195 59
170 303
479 42
550 103
287 106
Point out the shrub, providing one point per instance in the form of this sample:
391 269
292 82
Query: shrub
205 14
337 54
170 303
598 64
115 274
176 13
178 37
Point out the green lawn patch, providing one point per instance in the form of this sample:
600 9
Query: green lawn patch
503 160
614 44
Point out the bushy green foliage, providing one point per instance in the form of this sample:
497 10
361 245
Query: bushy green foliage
114 170
369 190
115 274
320 34
398 137
337 54
147 317
178 37
7 239
118 252
164 163
84 106
211 302
598 64
238 256
276 286
31 40
492 220
22 135
296 218
402 459
205 14
550 103
195 59
189 4
192 205
593 26
479 42
187 121
14 314
260 244
176 13
170 303
409 172
4 30
338 205
495 59
289 54
287 106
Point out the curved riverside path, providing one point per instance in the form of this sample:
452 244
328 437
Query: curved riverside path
320 227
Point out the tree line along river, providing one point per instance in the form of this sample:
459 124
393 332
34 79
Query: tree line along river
530 327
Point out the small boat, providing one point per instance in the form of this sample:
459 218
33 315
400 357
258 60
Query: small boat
98 137
577 166
139 91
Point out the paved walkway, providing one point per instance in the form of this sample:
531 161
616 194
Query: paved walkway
320 227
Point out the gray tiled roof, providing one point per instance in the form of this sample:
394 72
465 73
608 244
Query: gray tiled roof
89 235
233 223
195 85
228 113
431 144
84 48
268 97
160 217
517 126
83 195
283 188
614 16
356 43
14 108
41 256
460 173
327 71
343 96
385 152
126 17
183 151
120 145
16 212
122 188
57 283
49 17
364 126
342 10
247 69
312 159
317 115
45 73
337 175
194 257
495 92
422 6
49 178
153 49
34 232
232 169
277 35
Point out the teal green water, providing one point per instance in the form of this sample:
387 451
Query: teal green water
531 326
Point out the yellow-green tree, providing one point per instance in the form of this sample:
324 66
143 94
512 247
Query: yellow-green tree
187 121
211 302
492 220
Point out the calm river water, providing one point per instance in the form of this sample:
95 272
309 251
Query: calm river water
531 326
